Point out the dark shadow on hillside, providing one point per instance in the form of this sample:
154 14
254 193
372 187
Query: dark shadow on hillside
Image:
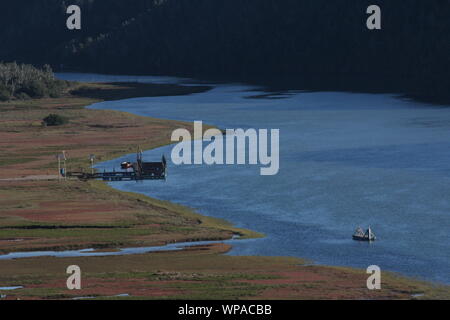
127 90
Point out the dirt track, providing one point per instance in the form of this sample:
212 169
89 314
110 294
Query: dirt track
34 178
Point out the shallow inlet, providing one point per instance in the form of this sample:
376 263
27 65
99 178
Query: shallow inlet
114 252
10 288
346 160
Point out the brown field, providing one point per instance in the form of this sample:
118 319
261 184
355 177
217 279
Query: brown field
38 212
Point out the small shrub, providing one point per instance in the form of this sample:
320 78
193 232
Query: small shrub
4 94
35 89
22 96
56 88
55 120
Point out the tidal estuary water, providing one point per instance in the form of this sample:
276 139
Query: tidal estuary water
346 160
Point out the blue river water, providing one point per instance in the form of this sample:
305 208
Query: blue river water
346 160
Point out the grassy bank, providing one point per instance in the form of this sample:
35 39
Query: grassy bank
47 214
42 214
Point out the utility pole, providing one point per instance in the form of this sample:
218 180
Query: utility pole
61 156
92 158
58 156
65 168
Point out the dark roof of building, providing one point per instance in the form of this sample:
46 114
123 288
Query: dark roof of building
151 166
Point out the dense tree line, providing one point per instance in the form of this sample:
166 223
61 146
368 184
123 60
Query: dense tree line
313 43
20 81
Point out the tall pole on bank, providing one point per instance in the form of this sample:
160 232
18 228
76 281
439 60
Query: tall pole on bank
92 158
65 168
59 167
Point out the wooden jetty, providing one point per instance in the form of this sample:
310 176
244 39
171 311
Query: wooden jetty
138 170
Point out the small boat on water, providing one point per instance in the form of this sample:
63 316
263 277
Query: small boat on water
360 235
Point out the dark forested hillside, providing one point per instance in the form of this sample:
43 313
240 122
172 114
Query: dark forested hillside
315 43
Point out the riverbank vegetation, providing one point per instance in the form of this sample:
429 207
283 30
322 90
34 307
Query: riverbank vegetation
22 81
